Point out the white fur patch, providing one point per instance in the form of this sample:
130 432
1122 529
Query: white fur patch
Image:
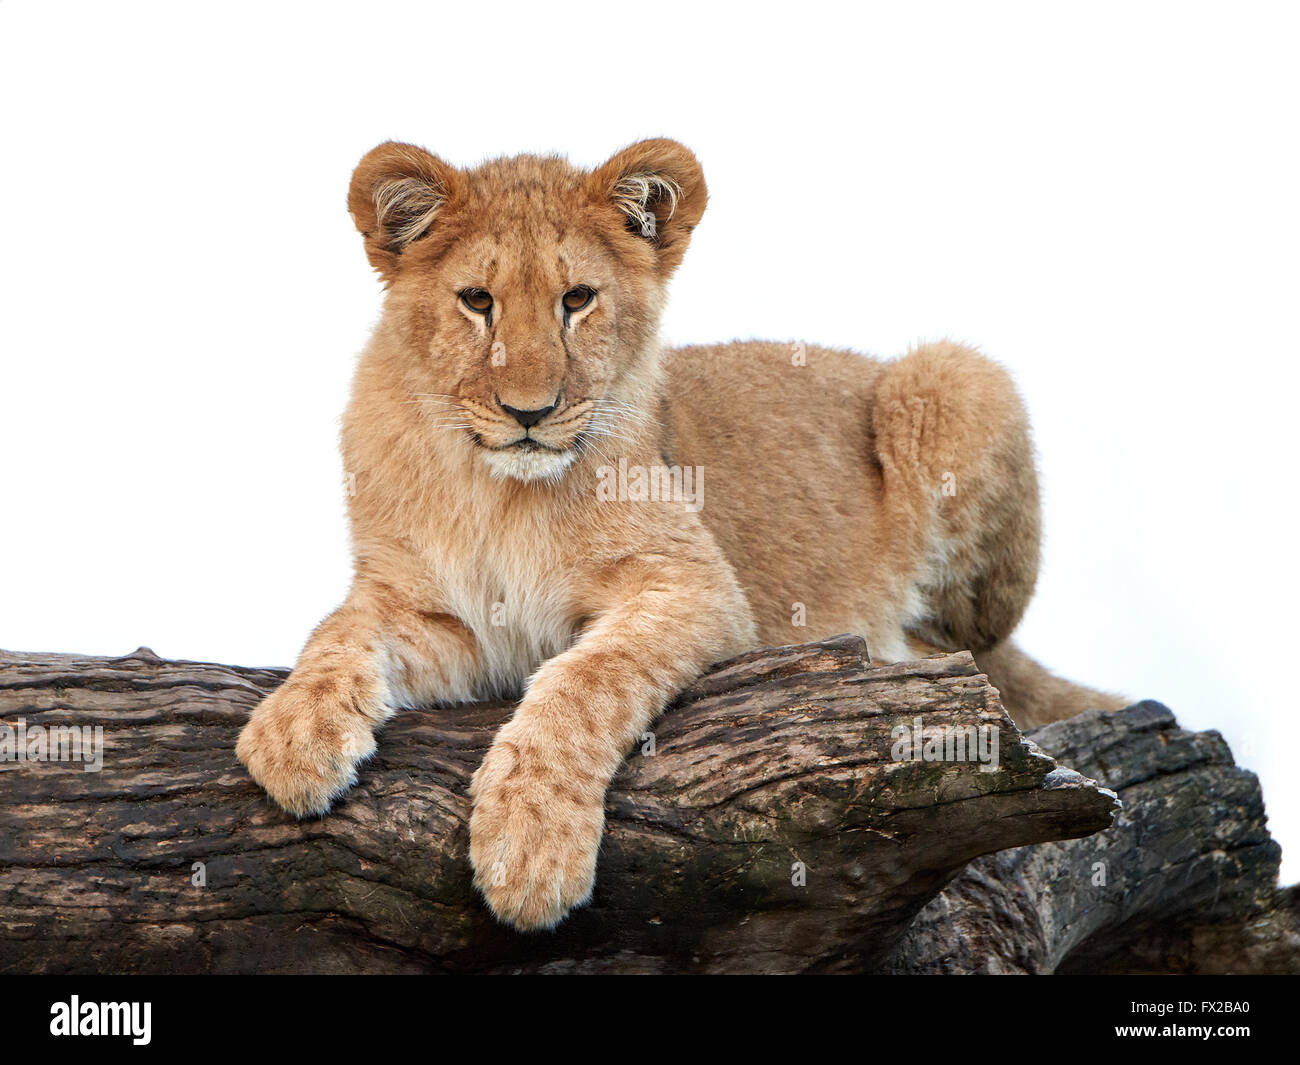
517 608
635 192
529 465
406 209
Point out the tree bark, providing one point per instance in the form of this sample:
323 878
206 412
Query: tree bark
767 826
1185 880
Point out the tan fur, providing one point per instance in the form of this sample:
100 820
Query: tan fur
893 499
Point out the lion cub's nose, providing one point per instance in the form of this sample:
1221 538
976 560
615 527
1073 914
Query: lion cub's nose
527 418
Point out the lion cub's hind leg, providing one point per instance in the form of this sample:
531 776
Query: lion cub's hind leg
960 493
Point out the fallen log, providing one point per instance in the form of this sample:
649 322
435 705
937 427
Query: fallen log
777 820
1185 881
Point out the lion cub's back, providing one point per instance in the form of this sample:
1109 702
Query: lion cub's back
783 435
792 407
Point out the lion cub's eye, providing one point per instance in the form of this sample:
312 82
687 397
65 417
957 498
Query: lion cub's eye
577 298
477 300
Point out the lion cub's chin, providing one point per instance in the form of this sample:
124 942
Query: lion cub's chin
527 466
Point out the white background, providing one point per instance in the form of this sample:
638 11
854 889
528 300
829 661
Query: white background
1103 196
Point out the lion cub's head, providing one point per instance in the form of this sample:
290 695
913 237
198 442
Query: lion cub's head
524 295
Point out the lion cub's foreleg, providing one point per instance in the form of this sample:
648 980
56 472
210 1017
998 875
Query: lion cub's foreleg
381 649
539 797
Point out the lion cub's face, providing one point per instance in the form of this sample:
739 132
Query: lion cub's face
525 294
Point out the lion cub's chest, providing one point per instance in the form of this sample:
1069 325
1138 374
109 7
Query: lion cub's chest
517 605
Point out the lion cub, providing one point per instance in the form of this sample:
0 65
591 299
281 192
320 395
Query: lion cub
547 500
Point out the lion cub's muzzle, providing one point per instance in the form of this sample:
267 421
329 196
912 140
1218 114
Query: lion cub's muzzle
532 444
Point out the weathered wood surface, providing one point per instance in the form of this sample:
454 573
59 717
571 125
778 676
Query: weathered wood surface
1185 881
780 757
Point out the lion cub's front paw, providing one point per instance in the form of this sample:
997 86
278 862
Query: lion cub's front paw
303 746
533 838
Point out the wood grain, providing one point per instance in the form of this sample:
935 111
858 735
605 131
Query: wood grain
779 757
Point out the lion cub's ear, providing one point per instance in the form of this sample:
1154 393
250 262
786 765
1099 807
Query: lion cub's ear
659 188
397 192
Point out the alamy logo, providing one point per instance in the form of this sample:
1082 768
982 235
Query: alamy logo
946 743
651 484
102 1018
53 743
